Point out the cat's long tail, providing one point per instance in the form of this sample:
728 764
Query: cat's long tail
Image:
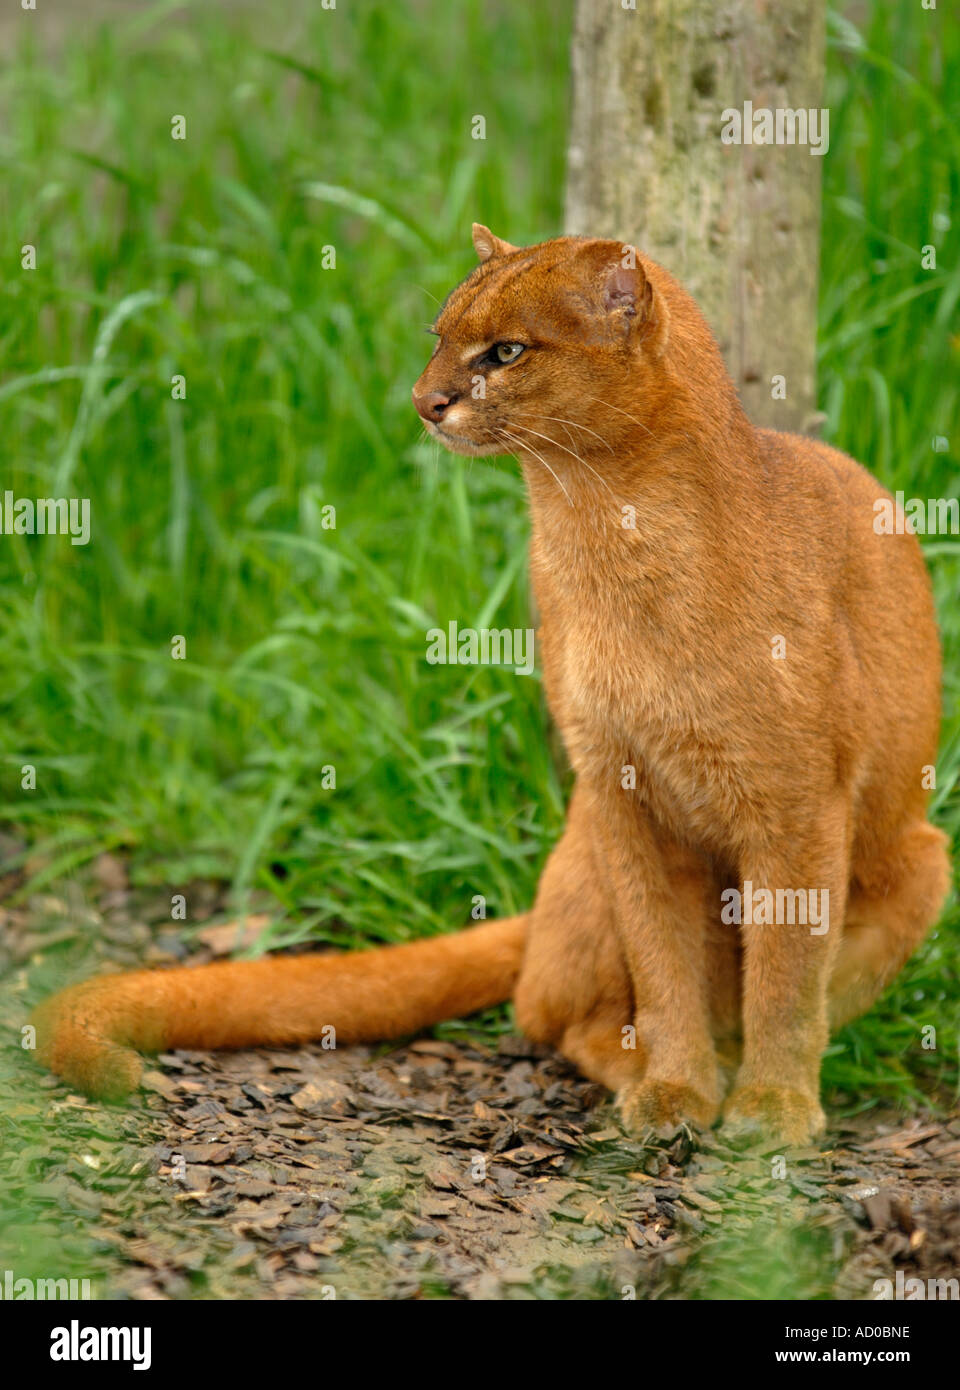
88 1033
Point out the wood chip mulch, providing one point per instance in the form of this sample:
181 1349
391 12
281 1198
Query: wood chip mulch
437 1169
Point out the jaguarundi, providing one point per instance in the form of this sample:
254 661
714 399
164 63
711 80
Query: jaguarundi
746 675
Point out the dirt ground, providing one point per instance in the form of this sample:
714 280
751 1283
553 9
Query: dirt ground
443 1168
438 1169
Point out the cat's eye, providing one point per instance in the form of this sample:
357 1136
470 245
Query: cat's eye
505 352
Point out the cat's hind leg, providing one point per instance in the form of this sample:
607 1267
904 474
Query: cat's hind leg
574 989
893 903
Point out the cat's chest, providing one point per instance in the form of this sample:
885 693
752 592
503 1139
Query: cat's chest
613 677
639 711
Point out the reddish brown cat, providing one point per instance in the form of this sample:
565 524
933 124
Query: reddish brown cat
747 679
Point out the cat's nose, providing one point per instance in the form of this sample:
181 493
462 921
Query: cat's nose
432 405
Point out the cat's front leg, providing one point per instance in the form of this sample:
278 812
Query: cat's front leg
793 903
662 893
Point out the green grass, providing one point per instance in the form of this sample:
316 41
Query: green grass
889 382
305 646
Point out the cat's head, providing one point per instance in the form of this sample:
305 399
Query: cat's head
545 348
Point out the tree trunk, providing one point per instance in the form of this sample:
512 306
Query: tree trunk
738 224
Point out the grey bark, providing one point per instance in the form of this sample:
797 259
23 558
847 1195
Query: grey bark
739 225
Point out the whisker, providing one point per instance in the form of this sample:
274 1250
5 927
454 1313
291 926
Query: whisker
556 443
622 412
573 442
576 426
426 292
528 448
600 479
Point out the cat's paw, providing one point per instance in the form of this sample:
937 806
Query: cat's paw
664 1106
777 1112
729 1061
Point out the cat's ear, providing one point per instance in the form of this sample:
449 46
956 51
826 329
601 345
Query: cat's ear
629 296
628 290
487 245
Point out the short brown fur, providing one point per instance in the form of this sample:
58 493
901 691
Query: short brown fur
765 661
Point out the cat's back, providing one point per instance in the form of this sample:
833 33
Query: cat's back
841 501
879 575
